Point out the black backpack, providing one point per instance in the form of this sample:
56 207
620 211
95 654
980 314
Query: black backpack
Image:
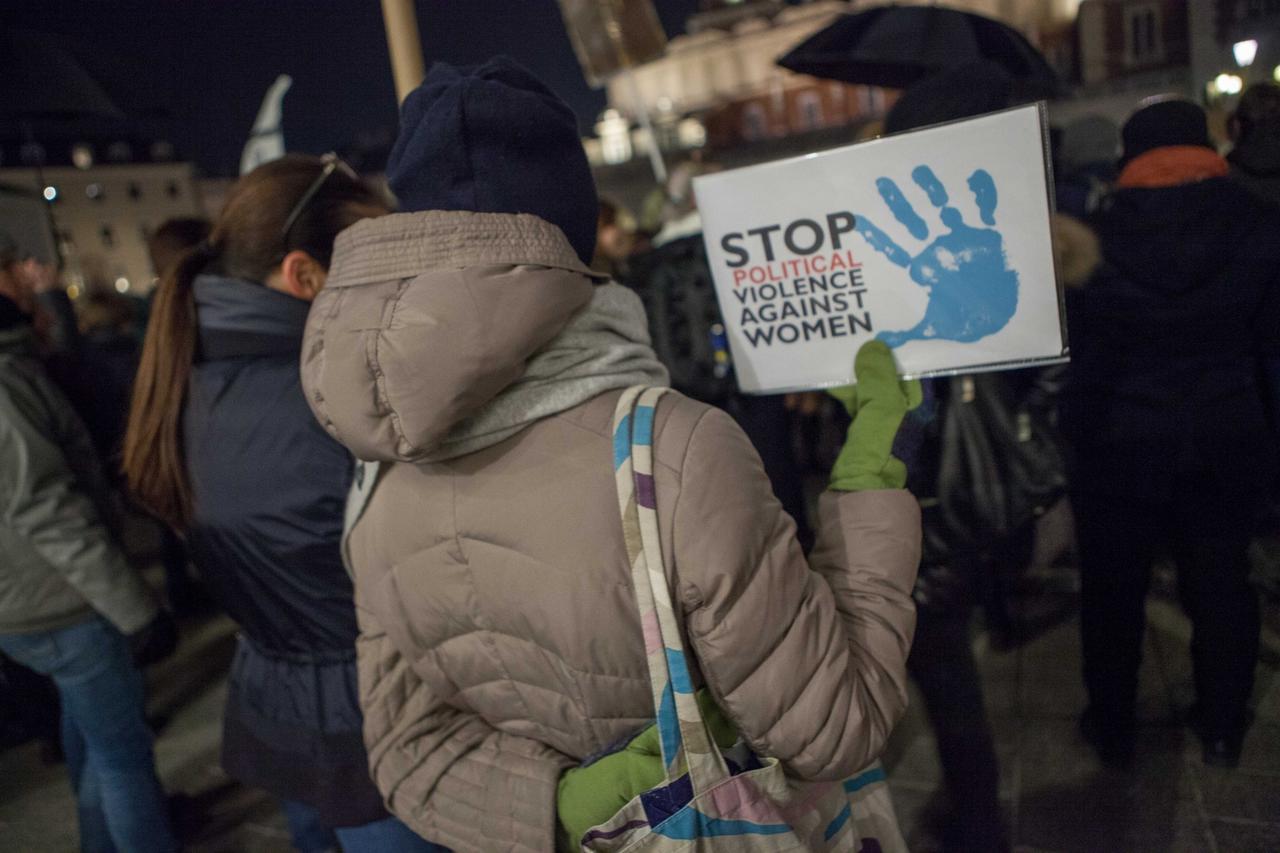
674 282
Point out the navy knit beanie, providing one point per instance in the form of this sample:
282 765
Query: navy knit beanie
1165 124
494 139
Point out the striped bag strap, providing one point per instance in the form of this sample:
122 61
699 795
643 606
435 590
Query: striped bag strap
686 740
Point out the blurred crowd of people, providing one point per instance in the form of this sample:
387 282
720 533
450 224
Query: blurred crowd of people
441 662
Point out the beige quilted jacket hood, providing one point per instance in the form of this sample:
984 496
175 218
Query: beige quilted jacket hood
500 642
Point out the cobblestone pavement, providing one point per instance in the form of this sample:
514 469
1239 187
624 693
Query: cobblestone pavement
1057 796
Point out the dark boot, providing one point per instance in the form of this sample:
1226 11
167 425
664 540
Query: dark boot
1112 736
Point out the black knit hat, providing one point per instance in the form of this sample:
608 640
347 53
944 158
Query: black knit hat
494 139
1162 125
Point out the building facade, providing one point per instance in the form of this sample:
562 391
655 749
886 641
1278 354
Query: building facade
719 86
101 217
723 72
1217 26
1120 38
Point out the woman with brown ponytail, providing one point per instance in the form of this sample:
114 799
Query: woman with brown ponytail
222 446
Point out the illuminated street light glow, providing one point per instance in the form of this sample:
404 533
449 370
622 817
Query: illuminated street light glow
82 155
122 285
1275 73
1245 52
50 193
615 137
1228 84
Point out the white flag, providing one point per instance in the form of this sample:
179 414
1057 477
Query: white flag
266 142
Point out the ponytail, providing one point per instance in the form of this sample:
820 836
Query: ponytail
294 202
154 465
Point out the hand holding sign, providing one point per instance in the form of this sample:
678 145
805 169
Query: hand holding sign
878 403
935 243
972 291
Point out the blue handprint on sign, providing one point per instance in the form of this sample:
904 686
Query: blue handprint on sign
972 291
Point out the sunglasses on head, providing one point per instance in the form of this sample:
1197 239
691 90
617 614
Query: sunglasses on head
332 163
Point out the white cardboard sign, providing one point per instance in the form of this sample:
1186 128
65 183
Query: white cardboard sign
937 242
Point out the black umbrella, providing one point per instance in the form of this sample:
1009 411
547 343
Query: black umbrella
896 46
40 78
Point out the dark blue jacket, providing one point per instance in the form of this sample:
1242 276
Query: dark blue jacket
1165 342
269 484
269 487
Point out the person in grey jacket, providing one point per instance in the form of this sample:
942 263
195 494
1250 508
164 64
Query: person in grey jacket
71 606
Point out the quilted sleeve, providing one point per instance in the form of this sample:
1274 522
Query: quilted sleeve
450 776
807 658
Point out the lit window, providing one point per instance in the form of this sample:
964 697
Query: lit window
755 122
1142 39
82 155
162 151
615 137
870 100
809 107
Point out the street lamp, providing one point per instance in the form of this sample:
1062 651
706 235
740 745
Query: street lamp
1245 52
1227 84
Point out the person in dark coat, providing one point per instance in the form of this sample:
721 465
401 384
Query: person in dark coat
221 444
673 280
959 564
1255 130
1167 421
1255 165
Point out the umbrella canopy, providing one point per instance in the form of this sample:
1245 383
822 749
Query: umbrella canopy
896 46
39 78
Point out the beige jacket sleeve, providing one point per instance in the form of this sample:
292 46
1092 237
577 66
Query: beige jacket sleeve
807 658
448 774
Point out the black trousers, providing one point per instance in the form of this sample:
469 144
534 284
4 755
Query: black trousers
1206 530
942 664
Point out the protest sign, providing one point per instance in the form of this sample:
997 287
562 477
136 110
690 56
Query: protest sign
936 242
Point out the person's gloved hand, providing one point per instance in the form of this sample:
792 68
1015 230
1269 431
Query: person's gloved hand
878 403
591 795
156 641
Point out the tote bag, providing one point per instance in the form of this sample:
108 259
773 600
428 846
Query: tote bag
712 800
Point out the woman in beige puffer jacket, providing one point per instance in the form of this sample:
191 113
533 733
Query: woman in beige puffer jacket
477 359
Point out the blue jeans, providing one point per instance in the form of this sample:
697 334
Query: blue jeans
388 835
120 803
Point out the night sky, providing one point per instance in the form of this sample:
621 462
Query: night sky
207 63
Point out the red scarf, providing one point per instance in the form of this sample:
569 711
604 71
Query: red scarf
1172 166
